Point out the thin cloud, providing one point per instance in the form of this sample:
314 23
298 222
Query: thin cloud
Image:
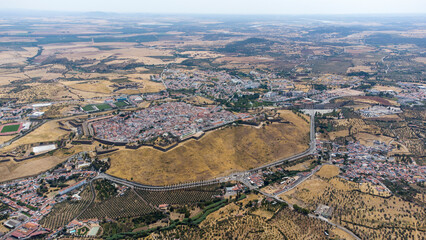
224 6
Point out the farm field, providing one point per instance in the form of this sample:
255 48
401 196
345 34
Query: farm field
93 86
62 213
184 196
368 139
128 205
220 152
35 92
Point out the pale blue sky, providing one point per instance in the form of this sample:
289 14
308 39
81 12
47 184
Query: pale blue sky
224 6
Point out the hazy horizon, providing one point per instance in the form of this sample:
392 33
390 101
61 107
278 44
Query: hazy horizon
235 7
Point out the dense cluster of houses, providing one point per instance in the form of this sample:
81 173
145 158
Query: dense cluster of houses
176 118
217 84
374 172
27 206
412 93
371 164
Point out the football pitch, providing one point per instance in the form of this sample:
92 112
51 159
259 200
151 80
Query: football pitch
10 128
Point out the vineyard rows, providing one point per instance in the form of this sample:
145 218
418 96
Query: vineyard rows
183 196
64 212
128 205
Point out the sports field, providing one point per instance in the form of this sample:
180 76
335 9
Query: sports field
10 128
120 104
89 108
103 106
97 107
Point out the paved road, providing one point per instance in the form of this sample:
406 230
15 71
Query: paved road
336 225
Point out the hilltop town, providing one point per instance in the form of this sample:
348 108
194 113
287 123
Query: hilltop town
182 128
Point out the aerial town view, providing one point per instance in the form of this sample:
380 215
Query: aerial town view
191 120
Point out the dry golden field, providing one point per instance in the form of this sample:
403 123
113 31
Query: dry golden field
198 100
340 234
12 170
387 88
150 86
46 72
356 126
5 138
368 139
93 86
13 57
369 188
289 116
300 166
328 171
35 92
78 51
218 153
335 134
